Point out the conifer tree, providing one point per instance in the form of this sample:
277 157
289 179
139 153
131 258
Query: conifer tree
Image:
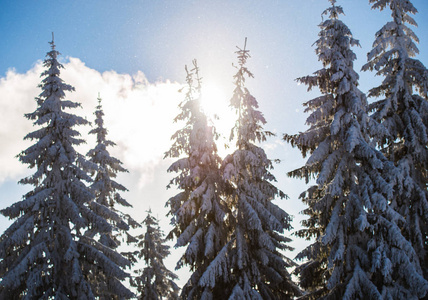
359 251
106 189
198 211
155 281
254 253
107 193
402 109
45 254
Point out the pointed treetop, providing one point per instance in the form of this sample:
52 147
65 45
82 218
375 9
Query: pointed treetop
99 98
243 54
53 42
332 12
198 78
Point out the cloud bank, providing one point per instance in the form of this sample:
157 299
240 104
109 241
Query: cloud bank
138 115
139 118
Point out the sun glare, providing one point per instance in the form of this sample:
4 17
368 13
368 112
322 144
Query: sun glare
215 104
213 99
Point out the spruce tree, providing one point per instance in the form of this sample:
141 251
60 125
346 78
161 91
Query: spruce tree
107 194
359 251
401 107
254 254
155 281
45 254
106 189
198 211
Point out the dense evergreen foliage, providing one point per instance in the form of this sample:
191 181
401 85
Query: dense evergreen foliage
154 281
358 249
366 196
198 211
45 253
401 107
106 191
255 258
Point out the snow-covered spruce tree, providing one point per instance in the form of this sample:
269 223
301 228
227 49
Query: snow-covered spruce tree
403 111
254 254
107 193
155 281
106 189
44 254
359 251
198 212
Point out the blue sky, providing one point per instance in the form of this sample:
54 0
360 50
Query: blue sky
133 52
158 37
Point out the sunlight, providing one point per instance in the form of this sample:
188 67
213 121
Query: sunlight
213 99
215 104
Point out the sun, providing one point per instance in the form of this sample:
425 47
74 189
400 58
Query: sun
215 104
213 99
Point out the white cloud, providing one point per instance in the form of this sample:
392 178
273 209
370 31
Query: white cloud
17 92
138 115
